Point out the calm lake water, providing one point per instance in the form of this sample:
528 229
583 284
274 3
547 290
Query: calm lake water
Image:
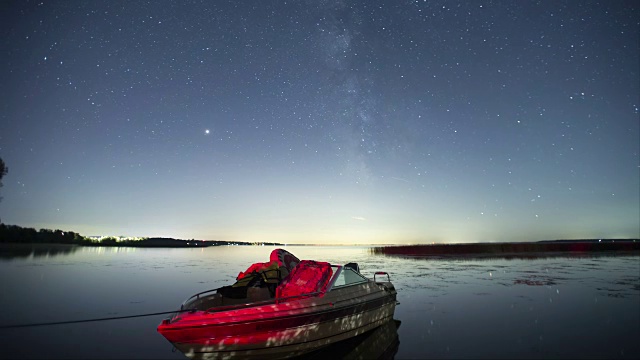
551 307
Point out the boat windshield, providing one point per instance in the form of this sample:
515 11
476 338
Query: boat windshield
347 277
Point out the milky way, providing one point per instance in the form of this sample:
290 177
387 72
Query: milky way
322 121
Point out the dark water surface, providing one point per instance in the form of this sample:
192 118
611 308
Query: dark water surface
551 307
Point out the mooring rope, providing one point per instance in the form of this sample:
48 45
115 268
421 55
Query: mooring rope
89 320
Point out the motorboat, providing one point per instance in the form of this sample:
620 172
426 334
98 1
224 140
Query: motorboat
280 309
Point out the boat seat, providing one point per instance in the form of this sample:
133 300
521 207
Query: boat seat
353 266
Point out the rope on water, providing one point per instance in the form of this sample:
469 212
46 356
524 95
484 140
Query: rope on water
89 320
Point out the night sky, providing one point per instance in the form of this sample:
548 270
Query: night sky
322 121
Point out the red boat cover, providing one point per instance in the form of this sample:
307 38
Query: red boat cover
307 277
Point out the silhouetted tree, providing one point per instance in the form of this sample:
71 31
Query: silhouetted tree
3 171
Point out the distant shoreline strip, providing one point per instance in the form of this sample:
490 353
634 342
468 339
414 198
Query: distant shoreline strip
561 246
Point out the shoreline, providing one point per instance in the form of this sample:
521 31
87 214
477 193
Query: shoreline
585 245
514 249
486 251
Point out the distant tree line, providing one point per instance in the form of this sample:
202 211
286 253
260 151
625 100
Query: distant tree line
558 246
21 235
18 234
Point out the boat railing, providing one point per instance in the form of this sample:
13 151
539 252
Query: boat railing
263 302
381 273
197 296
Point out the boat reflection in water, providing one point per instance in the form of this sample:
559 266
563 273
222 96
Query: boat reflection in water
381 343
281 309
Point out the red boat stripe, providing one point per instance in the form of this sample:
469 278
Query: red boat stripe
207 332
383 320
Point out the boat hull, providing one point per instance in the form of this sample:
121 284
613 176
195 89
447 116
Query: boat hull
282 330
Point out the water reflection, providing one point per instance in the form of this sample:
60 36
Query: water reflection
26 251
438 273
103 250
380 343
549 306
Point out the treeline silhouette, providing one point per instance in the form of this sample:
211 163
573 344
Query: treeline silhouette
18 234
21 235
503 249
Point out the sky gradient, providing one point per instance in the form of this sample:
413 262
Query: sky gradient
322 121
